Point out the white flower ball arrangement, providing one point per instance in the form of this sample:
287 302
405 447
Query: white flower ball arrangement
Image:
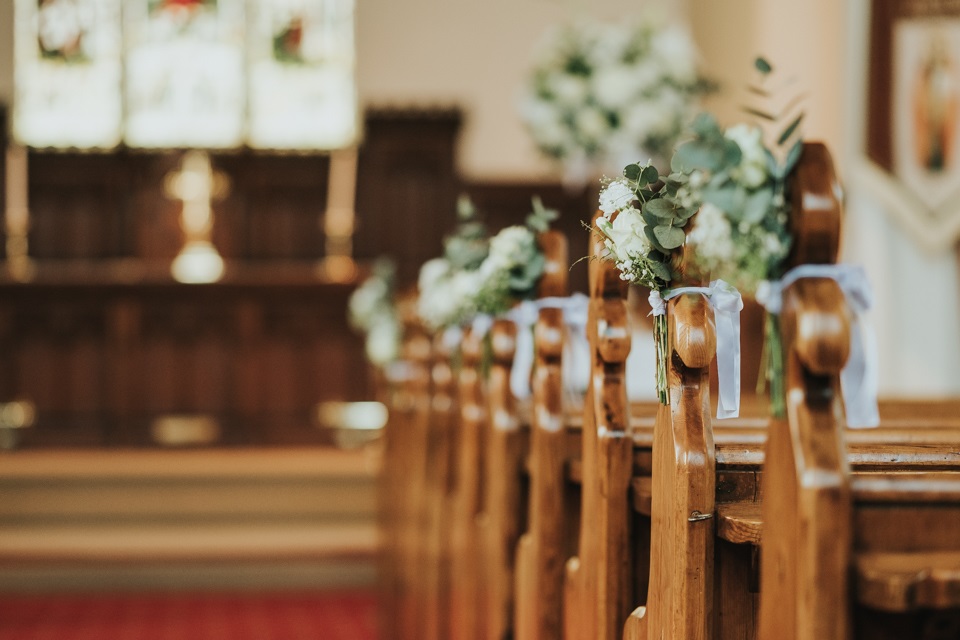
371 311
510 264
609 92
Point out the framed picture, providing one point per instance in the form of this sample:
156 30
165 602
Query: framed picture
909 148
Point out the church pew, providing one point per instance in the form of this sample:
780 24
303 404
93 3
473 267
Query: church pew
596 580
465 507
743 442
488 499
403 487
540 552
896 534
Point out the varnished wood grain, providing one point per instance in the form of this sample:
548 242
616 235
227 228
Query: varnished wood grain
502 499
597 598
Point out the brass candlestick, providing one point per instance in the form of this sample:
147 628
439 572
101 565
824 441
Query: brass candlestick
197 186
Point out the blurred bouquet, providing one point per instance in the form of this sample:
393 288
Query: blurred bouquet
479 274
610 94
371 311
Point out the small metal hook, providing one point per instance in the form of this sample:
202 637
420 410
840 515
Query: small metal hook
696 516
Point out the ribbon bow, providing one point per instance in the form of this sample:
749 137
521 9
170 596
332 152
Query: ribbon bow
727 304
859 378
576 349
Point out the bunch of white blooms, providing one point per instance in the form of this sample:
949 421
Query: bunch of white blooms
447 295
605 92
511 271
371 311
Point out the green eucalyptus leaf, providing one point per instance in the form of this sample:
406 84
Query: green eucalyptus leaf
723 198
793 156
652 238
762 65
669 237
732 155
705 126
789 130
773 168
649 175
659 208
661 270
632 172
757 206
697 155
658 256
686 214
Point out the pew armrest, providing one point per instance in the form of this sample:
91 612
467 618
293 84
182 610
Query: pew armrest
908 581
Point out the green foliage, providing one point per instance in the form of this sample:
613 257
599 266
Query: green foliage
468 245
540 218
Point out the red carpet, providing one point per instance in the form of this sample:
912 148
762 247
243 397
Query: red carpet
199 616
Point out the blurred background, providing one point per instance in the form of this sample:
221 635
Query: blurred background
178 376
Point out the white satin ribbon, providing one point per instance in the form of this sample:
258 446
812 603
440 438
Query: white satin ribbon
481 325
727 304
451 337
859 379
576 360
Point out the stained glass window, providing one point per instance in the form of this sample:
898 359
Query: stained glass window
274 74
67 73
302 93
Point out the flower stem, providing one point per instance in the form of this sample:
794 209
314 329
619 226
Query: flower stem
773 347
662 346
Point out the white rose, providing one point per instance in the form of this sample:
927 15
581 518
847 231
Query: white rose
615 196
677 54
592 125
711 234
626 232
569 90
752 170
431 272
614 86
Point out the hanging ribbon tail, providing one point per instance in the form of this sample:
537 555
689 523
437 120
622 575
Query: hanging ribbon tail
524 315
727 304
481 325
576 347
451 337
859 379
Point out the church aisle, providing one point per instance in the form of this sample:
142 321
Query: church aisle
315 615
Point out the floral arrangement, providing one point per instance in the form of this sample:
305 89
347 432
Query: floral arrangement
479 275
608 92
644 227
371 311
448 284
731 188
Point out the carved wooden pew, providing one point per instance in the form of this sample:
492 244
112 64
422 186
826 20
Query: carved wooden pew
403 489
712 583
540 552
596 585
488 500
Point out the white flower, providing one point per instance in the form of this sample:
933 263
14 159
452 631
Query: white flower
752 170
626 239
614 86
431 272
511 244
569 90
383 341
677 54
592 125
615 196
712 235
